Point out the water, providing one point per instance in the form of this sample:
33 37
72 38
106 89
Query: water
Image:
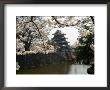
78 69
64 68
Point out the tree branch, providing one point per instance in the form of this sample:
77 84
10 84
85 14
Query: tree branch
57 21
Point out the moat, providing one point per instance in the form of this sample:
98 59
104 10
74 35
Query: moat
64 68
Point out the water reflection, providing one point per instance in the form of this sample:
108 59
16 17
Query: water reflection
65 68
78 69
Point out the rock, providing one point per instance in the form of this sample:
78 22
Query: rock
17 66
90 70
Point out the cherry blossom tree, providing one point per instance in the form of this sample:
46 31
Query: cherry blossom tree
32 31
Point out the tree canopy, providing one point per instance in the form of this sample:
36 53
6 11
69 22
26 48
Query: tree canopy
32 31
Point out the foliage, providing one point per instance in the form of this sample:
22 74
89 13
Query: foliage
29 30
84 52
32 31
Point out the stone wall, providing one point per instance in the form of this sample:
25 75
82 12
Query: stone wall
39 59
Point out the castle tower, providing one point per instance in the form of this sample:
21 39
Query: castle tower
61 44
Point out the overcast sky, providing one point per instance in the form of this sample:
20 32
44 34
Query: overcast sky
71 33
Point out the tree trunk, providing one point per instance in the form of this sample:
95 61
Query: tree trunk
27 47
92 19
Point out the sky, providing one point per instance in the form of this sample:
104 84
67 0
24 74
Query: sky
71 33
